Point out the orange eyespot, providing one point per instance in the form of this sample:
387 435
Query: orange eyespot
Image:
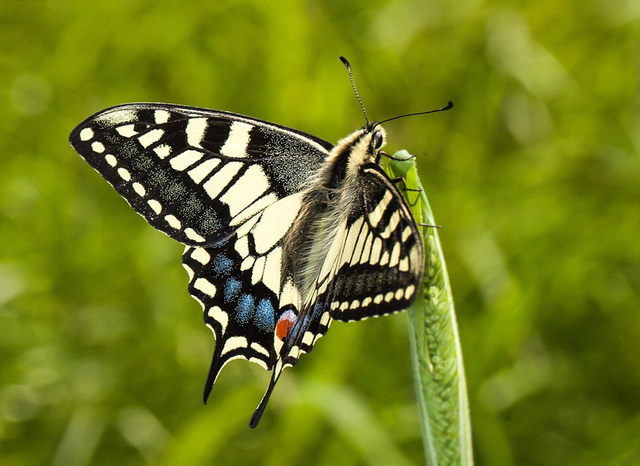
284 324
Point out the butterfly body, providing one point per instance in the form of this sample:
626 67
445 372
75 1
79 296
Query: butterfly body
284 232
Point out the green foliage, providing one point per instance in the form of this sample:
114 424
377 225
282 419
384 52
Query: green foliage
533 176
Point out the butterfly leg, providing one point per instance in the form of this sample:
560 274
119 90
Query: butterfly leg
402 180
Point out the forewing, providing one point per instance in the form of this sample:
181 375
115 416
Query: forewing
381 259
196 174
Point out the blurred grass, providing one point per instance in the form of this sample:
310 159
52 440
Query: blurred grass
533 176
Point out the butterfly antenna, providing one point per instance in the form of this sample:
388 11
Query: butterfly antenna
446 107
355 89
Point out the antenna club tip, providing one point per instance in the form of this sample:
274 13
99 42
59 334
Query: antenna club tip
345 61
448 106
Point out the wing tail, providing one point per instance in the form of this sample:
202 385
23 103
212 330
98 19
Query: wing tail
257 415
217 363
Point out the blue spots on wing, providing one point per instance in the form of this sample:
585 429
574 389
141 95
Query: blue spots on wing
245 308
265 315
246 305
261 315
222 265
232 289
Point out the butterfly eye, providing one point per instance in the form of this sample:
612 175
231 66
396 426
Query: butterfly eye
376 141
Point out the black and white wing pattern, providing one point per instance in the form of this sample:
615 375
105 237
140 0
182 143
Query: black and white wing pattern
381 260
192 173
283 231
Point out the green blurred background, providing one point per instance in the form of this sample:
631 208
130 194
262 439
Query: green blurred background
534 177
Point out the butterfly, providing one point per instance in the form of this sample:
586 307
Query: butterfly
283 232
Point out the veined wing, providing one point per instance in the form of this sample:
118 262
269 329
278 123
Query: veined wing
249 299
192 173
378 261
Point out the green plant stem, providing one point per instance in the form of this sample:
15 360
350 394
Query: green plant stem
435 345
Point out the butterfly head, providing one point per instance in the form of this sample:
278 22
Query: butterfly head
356 150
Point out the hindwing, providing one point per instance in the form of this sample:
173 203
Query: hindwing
248 295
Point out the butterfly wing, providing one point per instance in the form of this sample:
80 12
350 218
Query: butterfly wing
378 259
245 288
196 174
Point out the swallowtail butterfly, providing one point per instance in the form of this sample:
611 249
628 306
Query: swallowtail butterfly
284 232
